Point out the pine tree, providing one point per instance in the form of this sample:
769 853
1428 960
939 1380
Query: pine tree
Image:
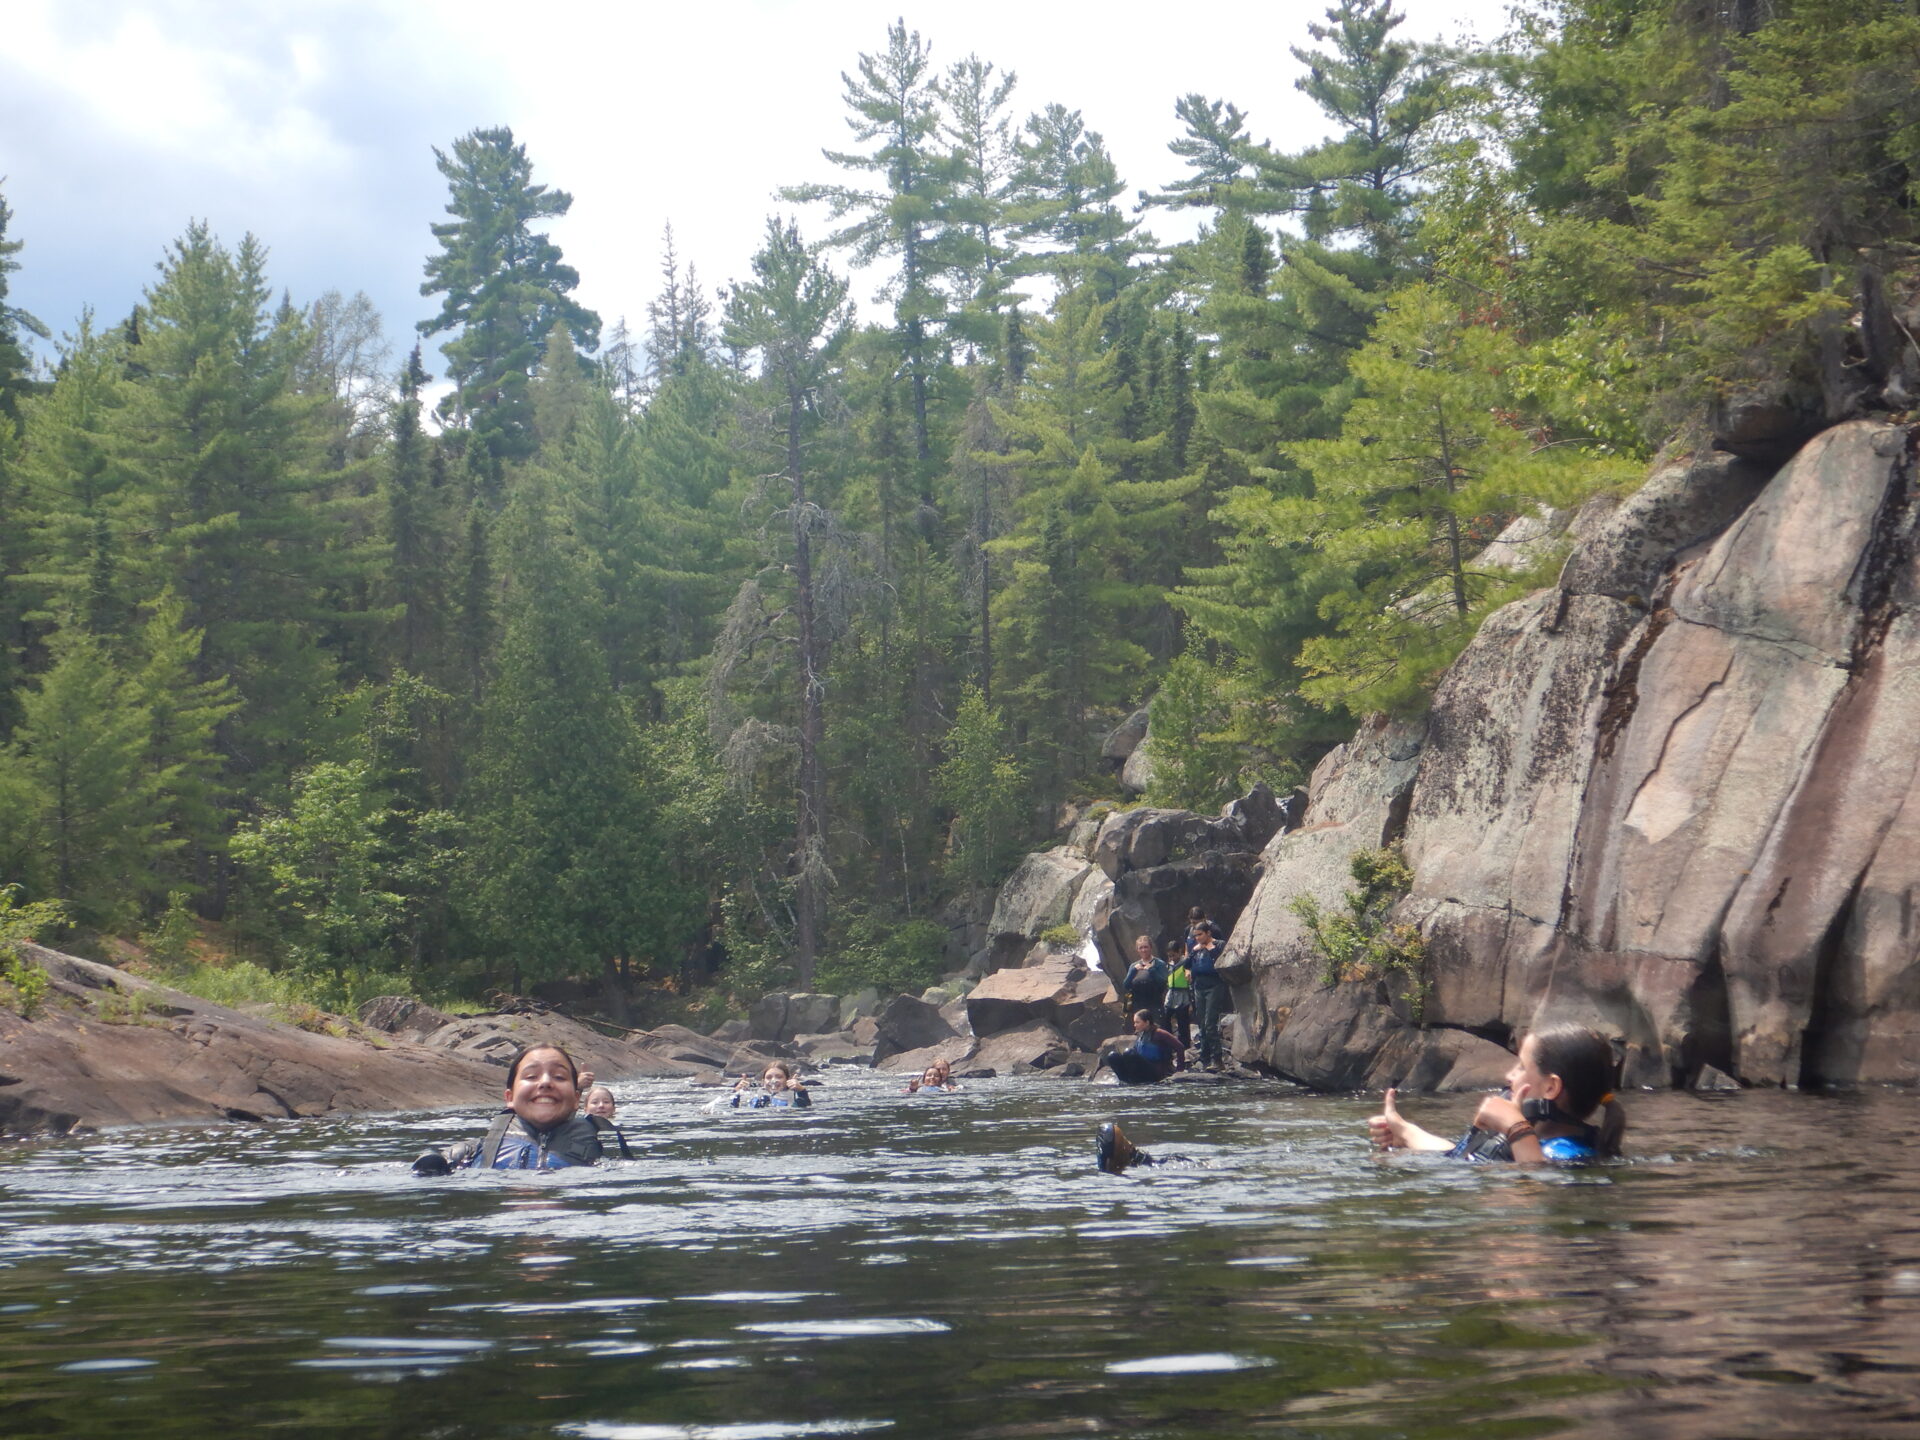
788 314
975 123
1430 465
559 838
894 105
14 365
183 759
78 765
263 551
415 533
1061 203
503 287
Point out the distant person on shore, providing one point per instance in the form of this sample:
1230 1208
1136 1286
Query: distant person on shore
1196 917
1559 1106
540 1128
1209 993
1145 985
1179 993
1154 1054
777 1085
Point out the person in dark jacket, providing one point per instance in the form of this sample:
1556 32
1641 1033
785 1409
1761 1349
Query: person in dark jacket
1209 992
1145 985
540 1128
1154 1054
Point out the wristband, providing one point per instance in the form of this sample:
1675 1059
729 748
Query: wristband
1520 1129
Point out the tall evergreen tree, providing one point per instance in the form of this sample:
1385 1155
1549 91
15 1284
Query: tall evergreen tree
503 287
224 492
14 365
788 314
77 765
559 839
894 105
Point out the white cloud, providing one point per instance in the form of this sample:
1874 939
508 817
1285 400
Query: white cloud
312 124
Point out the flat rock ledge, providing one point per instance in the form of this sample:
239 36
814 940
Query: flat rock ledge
106 1049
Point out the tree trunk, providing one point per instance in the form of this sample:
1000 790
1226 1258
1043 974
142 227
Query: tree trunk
810 829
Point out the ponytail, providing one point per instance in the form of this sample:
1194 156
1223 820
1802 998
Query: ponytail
1613 1127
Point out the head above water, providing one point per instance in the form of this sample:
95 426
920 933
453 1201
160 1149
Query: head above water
777 1072
543 1085
1579 1059
598 1101
1573 1067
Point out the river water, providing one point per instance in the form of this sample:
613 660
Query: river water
955 1266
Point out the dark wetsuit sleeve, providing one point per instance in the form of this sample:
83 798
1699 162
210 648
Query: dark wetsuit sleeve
801 1099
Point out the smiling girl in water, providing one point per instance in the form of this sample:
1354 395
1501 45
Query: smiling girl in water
540 1129
1559 1106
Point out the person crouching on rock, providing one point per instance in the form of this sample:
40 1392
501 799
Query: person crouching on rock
540 1128
1559 1106
1154 1054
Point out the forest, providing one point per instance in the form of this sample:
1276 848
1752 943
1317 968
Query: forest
661 668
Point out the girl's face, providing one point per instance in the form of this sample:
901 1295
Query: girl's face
600 1102
775 1078
544 1091
1526 1080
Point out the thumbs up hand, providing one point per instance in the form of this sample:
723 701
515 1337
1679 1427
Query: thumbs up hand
1387 1130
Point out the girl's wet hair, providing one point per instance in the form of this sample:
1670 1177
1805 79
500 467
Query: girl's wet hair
782 1066
1589 1074
513 1065
593 1090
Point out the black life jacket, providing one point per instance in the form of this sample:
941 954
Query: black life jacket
577 1140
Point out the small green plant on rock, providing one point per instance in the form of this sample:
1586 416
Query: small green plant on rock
27 981
1359 942
1060 935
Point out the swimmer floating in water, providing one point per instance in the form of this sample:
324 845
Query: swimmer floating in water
778 1085
540 1128
1563 1077
937 1078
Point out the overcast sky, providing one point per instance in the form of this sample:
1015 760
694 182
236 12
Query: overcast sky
311 123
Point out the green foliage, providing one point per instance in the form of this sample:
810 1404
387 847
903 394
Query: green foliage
24 921
984 789
503 285
85 810
903 957
1196 763
322 869
1360 942
170 942
1061 935
1431 463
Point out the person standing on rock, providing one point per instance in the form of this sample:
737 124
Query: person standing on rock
1209 993
1179 993
1145 987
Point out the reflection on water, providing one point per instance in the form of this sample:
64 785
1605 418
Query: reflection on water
959 1268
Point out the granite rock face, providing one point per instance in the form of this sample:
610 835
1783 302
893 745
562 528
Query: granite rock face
1676 797
107 1048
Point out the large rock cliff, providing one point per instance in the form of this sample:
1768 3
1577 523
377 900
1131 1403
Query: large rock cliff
1673 797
